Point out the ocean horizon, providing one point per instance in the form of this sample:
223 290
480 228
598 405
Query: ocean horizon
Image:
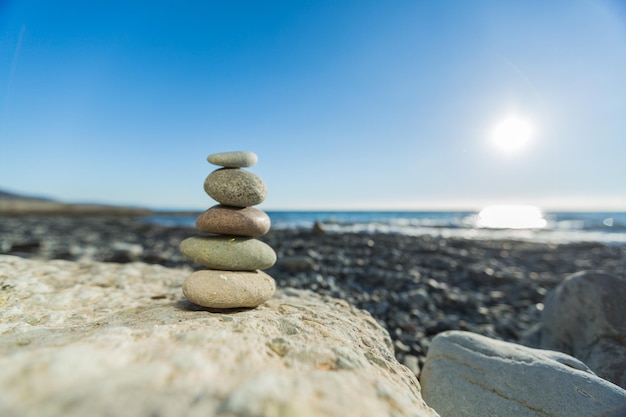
510 222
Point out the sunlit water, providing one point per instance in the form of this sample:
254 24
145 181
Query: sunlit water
511 217
552 227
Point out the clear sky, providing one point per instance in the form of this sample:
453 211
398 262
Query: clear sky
348 104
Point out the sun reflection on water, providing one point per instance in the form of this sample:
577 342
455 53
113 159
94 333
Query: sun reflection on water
511 217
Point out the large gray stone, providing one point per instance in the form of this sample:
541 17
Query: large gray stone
466 374
96 339
585 316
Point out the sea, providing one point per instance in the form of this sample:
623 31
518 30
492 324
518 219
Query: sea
495 222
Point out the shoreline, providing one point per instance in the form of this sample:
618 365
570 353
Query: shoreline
415 286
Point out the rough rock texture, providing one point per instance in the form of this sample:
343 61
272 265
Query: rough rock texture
235 187
98 339
585 316
229 289
225 220
471 375
229 253
416 286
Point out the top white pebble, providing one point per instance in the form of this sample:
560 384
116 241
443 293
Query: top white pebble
238 159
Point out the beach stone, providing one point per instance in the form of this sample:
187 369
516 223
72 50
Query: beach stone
235 187
229 289
318 228
296 263
227 220
467 374
229 253
237 159
105 339
585 316
125 252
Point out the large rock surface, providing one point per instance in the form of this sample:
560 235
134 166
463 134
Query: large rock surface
472 375
585 316
99 339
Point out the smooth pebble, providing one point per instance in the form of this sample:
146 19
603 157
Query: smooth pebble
237 159
227 220
229 289
229 253
235 187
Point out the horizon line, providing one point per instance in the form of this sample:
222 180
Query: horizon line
562 204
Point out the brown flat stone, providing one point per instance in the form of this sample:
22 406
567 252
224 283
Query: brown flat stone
229 289
228 220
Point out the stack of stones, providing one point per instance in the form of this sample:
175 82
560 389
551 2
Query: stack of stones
230 251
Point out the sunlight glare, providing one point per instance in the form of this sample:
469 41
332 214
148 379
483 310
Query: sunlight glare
511 217
512 134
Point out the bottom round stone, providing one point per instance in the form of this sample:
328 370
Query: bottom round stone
229 289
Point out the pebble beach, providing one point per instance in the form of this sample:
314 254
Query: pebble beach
415 286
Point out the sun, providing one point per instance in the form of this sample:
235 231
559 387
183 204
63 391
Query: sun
512 134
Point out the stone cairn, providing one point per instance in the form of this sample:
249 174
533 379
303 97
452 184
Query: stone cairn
231 253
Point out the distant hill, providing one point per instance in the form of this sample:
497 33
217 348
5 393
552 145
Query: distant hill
12 204
5 195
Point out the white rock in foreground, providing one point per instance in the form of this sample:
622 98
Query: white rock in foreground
466 374
96 339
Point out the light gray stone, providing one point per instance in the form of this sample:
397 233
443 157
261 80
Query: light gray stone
105 339
124 251
585 316
229 253
236 159
226 220
412 362
235 187
466 374
229 289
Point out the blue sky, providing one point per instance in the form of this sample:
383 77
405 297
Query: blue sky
348 104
